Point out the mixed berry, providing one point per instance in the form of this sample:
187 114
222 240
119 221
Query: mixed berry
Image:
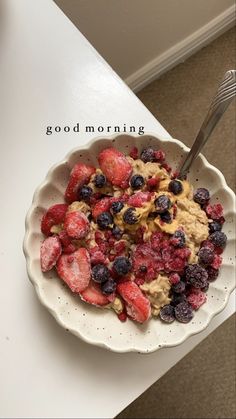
133 237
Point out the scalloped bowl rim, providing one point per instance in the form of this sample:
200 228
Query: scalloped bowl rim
26 249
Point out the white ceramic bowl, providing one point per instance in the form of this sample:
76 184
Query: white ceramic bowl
101 327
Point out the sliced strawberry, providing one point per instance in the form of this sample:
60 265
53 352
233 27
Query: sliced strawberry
115 167
76 224
93 295
137 305
75 269
54 215
80 175
101 206
139 198
49 253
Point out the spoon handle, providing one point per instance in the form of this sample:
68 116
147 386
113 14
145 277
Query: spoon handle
222 99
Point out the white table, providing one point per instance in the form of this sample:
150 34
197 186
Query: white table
51 75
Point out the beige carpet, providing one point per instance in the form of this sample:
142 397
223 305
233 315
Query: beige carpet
202 385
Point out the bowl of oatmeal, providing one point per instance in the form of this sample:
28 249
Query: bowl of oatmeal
125 254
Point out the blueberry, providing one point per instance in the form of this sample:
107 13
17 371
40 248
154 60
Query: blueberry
201 196
85 192
175 186
104 220
117 232
218 238
108 287
196 275
183 312
178 288
100 180
130 216
212 273
117 206
137 181
122 265
179 238
205 256
147 155
214 226
100 273
162 203
178 298
166 217
167 313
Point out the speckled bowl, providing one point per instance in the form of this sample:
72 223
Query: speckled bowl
101 327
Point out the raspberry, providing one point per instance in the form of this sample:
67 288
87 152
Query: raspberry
205 256
167 313
201 196
183 312
139 281
196 298
174 278
159 155
96 256
156 240
209 244
152 182
166 167
196 275
134 153
215 211
212 273
217 261
122 316
218 238
120 247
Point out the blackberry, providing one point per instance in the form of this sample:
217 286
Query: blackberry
108 287
196 275
85 192
183 312
137 181
104 220
201 196
205 256
100 273
122 265
100 180
117 206
147 155
214 226
130 216
117 232
166 217
167 313
178 288
178 298
162 203
218 238
205 289
212 273
178 238
175 186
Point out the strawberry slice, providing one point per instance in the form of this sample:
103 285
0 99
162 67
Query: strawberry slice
49 253
137 305
54 215
115 167
101 206
75 269
93 295
80 175
76 224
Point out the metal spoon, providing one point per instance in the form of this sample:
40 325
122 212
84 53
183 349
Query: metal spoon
222 99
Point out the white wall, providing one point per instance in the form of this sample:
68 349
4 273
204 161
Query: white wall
131 33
